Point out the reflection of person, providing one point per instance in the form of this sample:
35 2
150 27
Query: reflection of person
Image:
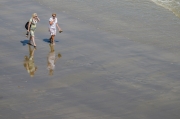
53 23
31 28
51 59
29 62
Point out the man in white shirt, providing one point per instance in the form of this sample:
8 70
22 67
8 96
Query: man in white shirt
52 27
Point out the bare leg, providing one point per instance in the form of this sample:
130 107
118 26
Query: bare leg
53 38
50 39
30 39
33 41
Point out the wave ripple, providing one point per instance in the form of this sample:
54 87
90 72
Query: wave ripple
172 5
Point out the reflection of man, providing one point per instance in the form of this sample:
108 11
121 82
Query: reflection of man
51 59
29 62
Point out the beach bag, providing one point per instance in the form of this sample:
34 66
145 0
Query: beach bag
26 25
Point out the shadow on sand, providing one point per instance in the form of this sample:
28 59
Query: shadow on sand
48 41
24 42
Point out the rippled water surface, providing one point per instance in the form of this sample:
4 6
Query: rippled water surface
112 16
172 5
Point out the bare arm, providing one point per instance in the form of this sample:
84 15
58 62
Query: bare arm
38 19
58 27
50 22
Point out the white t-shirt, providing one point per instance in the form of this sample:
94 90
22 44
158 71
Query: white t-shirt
54 23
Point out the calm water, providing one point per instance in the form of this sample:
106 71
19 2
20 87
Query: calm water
113 16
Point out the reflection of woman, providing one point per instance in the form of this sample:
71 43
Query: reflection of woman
29 62
51 59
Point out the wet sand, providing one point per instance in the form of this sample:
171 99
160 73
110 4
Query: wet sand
99 76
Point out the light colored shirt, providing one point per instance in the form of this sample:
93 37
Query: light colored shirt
54 23
33 24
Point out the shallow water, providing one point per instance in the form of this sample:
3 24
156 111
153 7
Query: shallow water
113 16
142 21
102 73
110 16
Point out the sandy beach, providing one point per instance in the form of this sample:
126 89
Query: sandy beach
129 72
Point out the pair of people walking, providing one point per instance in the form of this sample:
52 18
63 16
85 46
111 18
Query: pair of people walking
53 23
